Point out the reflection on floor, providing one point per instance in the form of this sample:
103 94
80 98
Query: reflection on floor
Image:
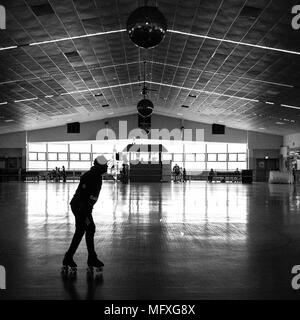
158 241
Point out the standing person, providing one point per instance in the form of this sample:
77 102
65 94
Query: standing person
211 175
82 206
184 175
64 175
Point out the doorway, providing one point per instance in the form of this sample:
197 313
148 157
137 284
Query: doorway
263 168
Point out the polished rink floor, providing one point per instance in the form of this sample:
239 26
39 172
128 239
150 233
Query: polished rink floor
158 241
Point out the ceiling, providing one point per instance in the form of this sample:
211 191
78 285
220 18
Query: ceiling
232 62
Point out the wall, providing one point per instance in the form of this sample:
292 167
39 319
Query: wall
292 140
256 141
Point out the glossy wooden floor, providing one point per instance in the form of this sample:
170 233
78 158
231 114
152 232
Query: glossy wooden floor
158 241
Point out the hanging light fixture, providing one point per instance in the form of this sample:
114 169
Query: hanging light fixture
145 106
146 27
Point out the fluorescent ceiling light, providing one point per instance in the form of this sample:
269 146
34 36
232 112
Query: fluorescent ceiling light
288 106
235 42
9 120
3 103
23 100
8 48
77 37
268 102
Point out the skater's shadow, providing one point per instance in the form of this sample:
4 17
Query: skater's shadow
92 282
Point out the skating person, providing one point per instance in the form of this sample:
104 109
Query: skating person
82 205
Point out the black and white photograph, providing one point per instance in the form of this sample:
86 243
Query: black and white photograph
149 154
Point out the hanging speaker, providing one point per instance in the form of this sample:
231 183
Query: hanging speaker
218 129
73 127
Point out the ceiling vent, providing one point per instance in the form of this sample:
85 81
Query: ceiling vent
184 106
42 9
250 12
71 54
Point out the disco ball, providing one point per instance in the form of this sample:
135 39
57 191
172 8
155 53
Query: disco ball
146 27
145 108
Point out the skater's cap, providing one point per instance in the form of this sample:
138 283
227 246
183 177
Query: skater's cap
100 160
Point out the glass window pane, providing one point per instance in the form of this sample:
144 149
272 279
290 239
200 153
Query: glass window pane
37 165
190 157
242 157
74 156
212 157
32 156
80 147
166 156
178 157
37 147
53 164
105 147
52 156
239 165
222 157
195 147
217 165
216 147
237 147
195 166
154 156
81 165
200 157
232 157
85 157
56 147
62 156
42 156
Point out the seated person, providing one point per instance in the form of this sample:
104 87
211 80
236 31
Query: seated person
236 175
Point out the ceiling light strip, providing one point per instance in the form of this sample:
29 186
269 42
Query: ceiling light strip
235 42
288 106
202 91
3 103
25 100
102 88
77 37
8 48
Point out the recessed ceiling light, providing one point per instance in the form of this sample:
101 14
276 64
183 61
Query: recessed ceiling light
98 95
262 128
192 95
3 103
268 102
278 122
9 120
179 114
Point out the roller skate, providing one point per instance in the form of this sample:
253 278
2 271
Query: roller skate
94 264
69 266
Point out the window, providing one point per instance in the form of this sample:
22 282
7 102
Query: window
53 164
216 147
85 157
74 156
81 165
62 156
37 165
190 157
166 156
242 157
217 165
237 147
222 157
232 157
212 157
32 156
178 157
55 147
52 156
37 147
42 156
200 157
80 147
239 165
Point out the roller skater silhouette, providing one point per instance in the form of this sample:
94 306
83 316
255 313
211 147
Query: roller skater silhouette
82 205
